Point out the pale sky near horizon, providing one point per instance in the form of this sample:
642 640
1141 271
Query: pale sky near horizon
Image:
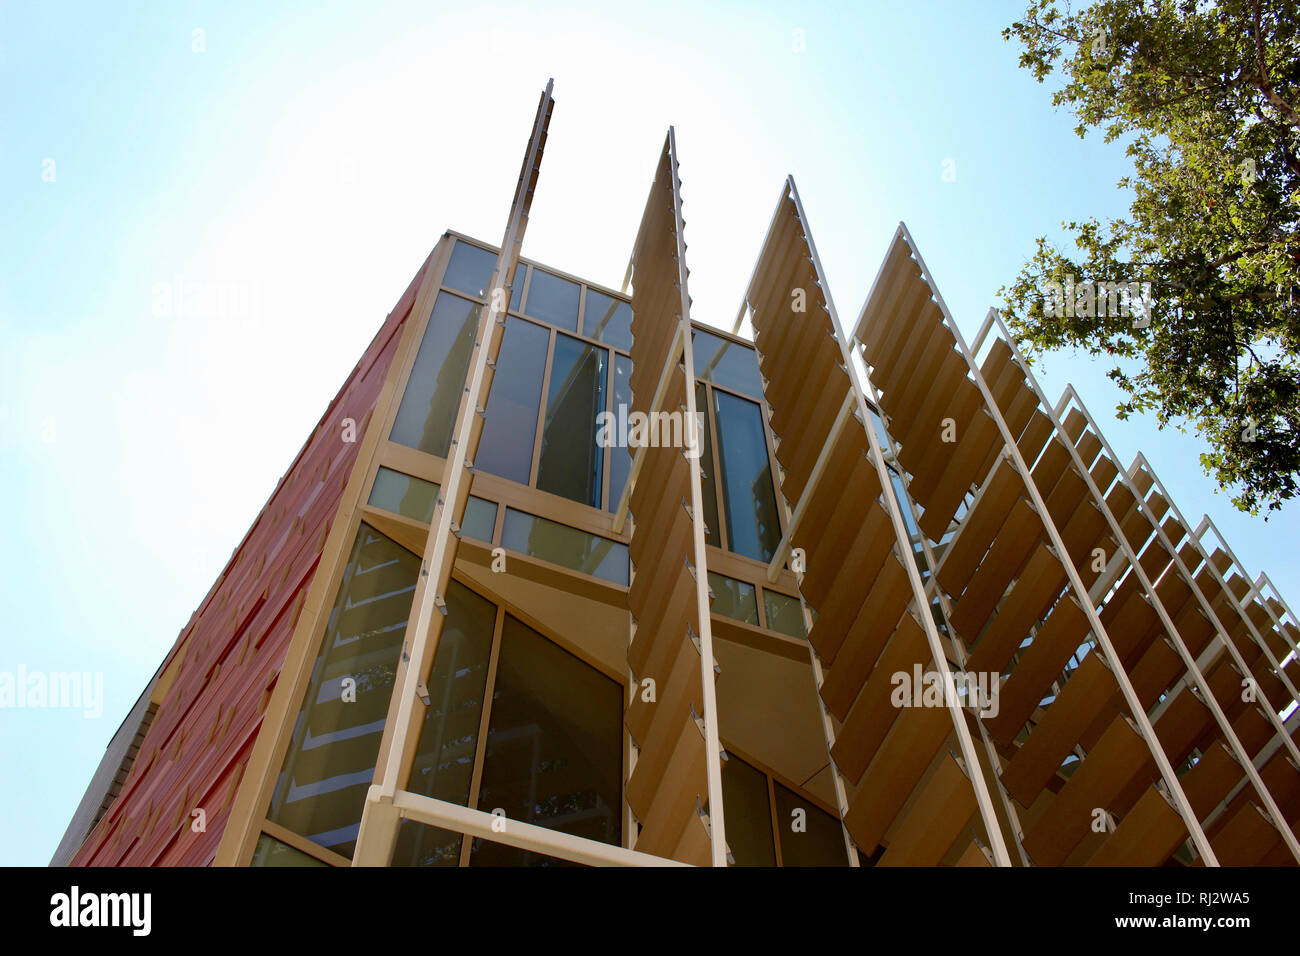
299 167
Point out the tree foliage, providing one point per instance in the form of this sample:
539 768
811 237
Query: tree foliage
1207 97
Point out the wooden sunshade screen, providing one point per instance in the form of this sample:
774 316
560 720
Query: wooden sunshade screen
904 775
406 711
674 788
1020 589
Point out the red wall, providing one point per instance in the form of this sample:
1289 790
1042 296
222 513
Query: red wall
202 736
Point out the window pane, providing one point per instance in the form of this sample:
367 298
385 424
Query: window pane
404 495
748 812
331 760
733 599
713 530
746 479
553 300
271 852
728 363
506 445
480 519
444 758
517 288
608 320
783 613
470 269
572 462
554 749
565 546
822 844
620 458
428 411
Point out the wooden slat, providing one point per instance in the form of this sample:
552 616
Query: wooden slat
1040 664
866 638
874 711
936 819
1148 836
1119 756
1084 695
903 756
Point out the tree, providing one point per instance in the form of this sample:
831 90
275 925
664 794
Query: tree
1207 97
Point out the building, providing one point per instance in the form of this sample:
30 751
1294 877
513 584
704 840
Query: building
889 606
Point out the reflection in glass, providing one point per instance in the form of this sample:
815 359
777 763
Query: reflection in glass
784 615
517 287
271 852
620 457
506 445
727 363
565 546
572 463
821 844
444 757
553 300
554 751
480 519
708 468
331 760
404 495
607 320
750 499
733 599
428 412
470 269
748 812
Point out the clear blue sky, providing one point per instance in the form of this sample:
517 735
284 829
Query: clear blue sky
306 160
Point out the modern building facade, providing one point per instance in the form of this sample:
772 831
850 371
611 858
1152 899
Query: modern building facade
564 576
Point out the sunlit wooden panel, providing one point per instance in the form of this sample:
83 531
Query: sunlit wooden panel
901 759
1147 836
873 714
1085 694
936 819
1039 665
866 639
1120 755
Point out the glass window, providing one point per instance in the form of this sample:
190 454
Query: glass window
733 599
554 748
607 320
331 760
470 269
620 457
783 613
572 462
506 444
821 844
404 495
480 519
428 412
565 546
727 363
708 468
444 757
517 287
272 852
747 810
553 300
752 524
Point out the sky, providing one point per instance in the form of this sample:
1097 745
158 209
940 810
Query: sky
207 210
